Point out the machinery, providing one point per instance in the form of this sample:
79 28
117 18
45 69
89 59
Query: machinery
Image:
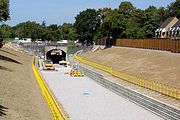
48 65
76 73
64 63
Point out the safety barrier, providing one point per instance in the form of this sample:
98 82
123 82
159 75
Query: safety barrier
56 111
149 84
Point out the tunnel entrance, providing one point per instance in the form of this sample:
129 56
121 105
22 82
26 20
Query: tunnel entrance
56 55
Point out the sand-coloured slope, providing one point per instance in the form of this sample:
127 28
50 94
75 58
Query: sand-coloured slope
20 95
149 64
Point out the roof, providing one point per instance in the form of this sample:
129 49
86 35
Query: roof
177 24
166 22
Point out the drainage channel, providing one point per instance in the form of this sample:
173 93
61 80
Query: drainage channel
161 109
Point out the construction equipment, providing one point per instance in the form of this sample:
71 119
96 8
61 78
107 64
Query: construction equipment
76 73
48 65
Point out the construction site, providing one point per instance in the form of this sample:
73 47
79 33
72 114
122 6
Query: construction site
99 82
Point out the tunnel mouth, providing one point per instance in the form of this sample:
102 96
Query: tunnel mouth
56 55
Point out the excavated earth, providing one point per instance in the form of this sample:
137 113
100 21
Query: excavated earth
161 66
20 95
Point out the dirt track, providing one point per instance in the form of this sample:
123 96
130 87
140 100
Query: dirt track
20 96
149 64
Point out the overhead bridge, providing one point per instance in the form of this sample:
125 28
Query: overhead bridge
56 53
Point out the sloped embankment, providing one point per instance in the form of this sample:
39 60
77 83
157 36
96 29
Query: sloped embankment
20 96
149 64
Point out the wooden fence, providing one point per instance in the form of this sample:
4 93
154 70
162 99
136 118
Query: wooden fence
172 45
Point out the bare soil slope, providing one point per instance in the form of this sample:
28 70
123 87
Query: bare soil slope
20 95
149 64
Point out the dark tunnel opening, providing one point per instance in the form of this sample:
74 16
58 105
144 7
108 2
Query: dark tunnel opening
56 55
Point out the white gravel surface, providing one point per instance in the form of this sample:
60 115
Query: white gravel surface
84 99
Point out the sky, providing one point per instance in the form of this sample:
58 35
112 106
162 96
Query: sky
60 11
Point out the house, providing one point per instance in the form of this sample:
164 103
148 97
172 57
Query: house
175 30
164 30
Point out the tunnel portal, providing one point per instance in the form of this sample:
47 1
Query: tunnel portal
56 55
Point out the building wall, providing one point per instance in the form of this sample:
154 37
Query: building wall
166 33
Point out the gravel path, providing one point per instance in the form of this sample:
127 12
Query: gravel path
84 99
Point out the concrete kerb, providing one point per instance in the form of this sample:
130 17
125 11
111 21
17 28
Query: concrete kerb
158 107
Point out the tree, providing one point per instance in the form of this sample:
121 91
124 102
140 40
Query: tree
113 25
163 14
52 32
67 32
43 24
4 10
28 29
86 24
6 31
103 12
133 30
137 16
174 8
126 8
151 22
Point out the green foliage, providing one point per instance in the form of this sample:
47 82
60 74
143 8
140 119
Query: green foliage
151 21
163 14
126 8
125 22
174 9
4 10
132 30
6 31
114 24
28 29
51 32
86 24
67 32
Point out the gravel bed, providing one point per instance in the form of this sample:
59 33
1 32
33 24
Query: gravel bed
84 99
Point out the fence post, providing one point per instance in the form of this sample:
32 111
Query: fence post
171 91
111 71
175 92
148 85
167 90
162 88
154 85
143 83
156 89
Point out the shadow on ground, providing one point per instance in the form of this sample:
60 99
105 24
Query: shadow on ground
3 110
4 68
8 52
8 59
